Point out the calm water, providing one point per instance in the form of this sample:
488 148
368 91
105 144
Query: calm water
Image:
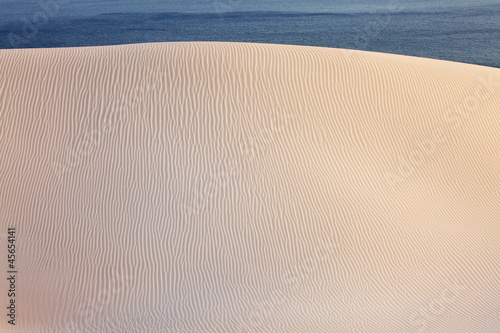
460 31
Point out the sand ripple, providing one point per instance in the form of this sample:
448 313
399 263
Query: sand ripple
224 187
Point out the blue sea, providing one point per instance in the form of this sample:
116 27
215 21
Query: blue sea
464 31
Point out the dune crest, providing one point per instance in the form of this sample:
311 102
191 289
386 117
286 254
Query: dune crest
227 187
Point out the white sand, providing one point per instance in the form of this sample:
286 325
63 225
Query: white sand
224 187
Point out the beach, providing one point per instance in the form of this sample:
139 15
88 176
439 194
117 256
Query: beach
238 187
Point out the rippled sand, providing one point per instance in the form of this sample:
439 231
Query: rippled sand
224 187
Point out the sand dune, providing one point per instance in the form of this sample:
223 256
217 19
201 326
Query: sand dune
225 187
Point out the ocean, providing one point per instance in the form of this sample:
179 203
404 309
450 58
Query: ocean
460 31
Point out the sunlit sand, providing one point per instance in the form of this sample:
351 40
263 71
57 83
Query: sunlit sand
226 187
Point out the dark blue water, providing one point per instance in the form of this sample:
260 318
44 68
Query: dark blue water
465 33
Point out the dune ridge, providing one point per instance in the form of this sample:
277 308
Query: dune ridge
231 187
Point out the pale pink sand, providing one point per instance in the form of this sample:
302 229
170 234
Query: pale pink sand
224 187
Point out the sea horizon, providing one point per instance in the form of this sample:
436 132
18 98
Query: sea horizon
445 31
